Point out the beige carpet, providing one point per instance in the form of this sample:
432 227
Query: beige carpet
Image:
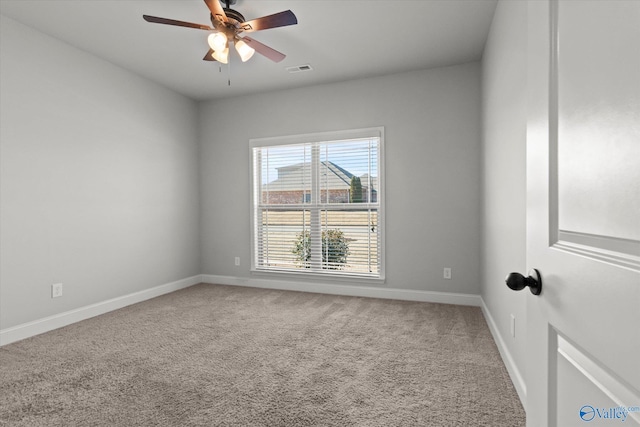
227 356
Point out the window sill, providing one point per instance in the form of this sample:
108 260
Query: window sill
319 277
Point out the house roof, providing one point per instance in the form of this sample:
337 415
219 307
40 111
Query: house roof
298 177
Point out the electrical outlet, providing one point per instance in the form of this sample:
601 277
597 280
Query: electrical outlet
513 326
447 273
56 290
237 260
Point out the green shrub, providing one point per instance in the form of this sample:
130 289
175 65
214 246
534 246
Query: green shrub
335 249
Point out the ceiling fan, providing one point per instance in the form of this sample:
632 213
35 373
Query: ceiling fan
228 24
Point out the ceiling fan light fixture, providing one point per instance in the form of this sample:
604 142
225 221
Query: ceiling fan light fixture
217 41
227 24
244 50
222 56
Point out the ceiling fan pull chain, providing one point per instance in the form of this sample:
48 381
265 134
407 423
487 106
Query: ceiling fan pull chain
229 71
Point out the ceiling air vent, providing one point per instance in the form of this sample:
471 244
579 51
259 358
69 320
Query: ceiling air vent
299 68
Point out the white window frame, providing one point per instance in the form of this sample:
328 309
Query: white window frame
342 135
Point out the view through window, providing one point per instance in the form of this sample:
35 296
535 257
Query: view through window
317 203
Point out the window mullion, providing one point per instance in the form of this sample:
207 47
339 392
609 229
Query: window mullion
315 232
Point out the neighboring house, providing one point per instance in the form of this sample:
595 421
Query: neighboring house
293 185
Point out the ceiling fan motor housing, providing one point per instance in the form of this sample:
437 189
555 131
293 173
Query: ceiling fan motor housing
232 26
233 14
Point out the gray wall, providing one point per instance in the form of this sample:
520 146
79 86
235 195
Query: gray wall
504 174
99 183
432 123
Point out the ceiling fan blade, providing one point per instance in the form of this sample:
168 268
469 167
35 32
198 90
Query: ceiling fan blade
264 50
209 56
281 19
166 21
216 10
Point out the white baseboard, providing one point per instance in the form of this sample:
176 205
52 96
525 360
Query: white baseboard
516 376
36 327
347 290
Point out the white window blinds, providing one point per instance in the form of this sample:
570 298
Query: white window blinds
317 204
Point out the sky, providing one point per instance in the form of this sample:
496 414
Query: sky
352 155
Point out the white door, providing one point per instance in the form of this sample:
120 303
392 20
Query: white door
583 213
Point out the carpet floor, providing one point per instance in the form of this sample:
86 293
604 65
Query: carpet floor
213 355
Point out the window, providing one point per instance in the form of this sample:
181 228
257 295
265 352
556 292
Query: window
317 204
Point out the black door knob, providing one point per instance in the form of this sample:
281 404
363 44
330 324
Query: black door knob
517 281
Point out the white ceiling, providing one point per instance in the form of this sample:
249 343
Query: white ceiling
341 40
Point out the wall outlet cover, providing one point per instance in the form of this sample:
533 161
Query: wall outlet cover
56 290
